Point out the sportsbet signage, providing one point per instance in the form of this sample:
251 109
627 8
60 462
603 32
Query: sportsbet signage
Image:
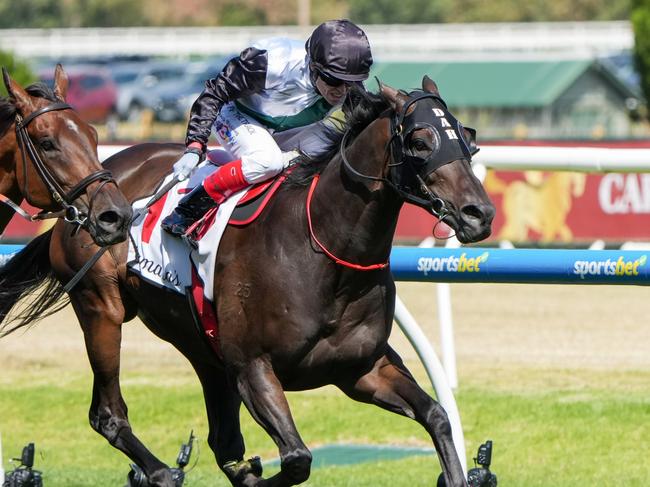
520 265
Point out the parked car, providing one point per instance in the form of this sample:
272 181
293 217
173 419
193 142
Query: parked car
174 99
136 81
91 91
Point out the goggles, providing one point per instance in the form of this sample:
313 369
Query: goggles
331 80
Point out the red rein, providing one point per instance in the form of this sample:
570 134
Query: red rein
342 262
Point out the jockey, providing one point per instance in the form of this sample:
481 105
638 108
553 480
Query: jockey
266 105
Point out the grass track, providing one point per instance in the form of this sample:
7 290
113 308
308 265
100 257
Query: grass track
564 412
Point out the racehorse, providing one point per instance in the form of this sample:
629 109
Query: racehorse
48 156
304 296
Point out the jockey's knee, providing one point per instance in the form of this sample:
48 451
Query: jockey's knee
262 166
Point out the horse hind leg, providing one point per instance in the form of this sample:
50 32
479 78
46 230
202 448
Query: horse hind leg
102 326
391 386
264 397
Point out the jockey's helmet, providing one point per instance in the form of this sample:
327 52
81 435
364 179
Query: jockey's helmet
341 50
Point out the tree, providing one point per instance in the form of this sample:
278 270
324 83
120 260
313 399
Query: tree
18 69
641 25
392 12
109 13
31 13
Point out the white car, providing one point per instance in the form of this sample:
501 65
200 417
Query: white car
135 82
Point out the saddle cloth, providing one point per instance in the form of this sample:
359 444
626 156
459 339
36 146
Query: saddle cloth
167 261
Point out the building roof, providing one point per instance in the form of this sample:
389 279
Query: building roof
504 84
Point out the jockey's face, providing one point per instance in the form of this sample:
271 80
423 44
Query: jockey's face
333 93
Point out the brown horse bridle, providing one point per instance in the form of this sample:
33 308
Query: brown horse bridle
69 212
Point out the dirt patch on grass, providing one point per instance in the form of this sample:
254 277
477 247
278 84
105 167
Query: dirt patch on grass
495 325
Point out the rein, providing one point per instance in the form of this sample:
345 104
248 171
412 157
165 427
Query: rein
69 212
337 260
102 250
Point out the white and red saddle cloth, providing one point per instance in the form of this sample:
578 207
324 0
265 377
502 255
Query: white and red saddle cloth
168 261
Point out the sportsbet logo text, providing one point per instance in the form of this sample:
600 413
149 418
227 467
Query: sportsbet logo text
452 264
609 267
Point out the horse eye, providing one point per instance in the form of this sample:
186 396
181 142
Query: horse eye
47 144
419 145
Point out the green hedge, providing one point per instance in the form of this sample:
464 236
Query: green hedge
18 69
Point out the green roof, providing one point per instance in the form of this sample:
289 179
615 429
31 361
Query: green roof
488 84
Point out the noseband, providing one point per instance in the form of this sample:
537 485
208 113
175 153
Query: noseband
400 132
70 213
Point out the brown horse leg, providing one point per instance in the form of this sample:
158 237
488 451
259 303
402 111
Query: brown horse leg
101 322
391 386
264 397
223 403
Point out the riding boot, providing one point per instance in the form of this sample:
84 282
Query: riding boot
190 209
216 188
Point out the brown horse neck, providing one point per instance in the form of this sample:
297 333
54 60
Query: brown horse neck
8 181
357 219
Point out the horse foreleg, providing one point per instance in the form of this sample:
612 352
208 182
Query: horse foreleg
264 397
101 321
391 386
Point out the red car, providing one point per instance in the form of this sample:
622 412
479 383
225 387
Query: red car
91 91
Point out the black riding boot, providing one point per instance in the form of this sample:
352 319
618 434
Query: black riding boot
190 209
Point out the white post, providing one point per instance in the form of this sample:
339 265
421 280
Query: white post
443 297
447 343
436 375
2 471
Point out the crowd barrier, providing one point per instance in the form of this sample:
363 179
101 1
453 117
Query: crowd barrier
524 266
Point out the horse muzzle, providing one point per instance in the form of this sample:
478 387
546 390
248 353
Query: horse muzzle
473 222
109 226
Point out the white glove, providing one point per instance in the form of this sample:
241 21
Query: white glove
184 166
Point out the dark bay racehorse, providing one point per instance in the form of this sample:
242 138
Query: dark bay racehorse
303 295
48 156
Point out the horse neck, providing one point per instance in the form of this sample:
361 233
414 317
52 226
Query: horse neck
356 220
8 181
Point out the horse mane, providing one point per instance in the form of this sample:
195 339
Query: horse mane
8 109
360 109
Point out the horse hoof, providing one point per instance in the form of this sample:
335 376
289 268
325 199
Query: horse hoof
256 466
238 472
161 478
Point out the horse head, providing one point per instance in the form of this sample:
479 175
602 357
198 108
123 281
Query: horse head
56 164
431 153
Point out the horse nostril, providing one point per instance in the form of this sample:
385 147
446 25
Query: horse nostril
109 217
482 213
472 211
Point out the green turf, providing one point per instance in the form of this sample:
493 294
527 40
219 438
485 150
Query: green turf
550 428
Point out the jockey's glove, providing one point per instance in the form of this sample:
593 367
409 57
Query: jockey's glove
186 164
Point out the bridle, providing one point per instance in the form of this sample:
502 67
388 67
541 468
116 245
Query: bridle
402 126
418 167
70 212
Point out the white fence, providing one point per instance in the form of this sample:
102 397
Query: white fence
584 159
429 41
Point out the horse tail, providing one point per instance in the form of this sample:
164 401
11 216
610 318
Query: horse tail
29 273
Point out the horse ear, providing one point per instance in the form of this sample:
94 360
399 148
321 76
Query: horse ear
60 82
393 96
430 86
21 98
470 138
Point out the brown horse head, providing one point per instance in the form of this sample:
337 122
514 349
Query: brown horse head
50 159
439 150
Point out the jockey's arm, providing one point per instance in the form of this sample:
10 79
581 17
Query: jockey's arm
242 76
